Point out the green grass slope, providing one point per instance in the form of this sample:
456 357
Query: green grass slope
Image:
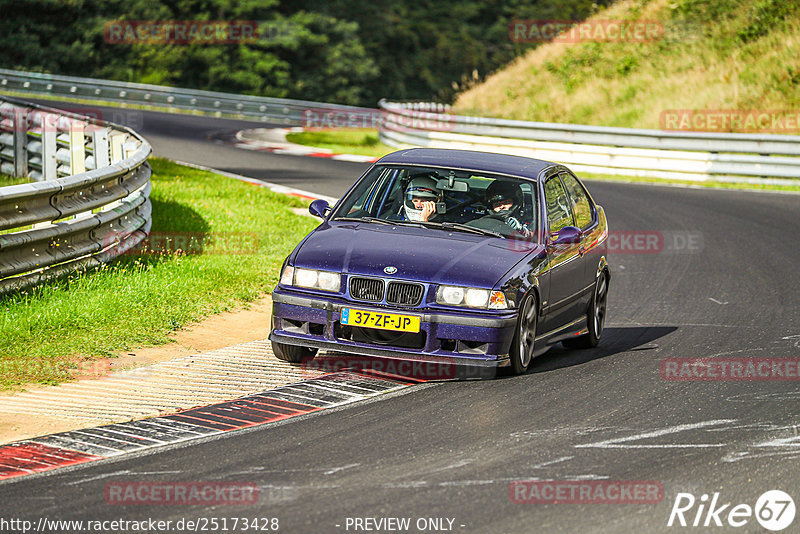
215 244
713 55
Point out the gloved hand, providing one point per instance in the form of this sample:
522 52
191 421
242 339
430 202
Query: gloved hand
517 225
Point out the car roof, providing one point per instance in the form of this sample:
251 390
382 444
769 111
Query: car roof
470 160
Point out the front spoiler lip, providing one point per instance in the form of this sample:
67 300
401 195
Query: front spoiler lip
502 361
442 318
282 296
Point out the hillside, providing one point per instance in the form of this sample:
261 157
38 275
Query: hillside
713 55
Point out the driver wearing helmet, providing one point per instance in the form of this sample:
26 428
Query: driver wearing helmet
504 201
420 198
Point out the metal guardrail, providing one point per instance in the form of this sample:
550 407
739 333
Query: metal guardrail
266 109
89 199
592 149
602 150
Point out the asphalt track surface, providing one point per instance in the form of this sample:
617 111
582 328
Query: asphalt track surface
451 449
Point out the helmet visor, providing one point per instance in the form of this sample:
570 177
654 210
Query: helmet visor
501 203
421 192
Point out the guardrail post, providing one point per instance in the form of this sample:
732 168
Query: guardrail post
129 148
77 151
49 146
100 143
20 142
116 148
100 139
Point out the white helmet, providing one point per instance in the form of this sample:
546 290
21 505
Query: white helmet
422 187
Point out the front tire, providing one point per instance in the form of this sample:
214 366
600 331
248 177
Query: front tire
522 346
292 353
595 317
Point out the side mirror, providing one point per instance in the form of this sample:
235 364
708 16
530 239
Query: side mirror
319 208
568 235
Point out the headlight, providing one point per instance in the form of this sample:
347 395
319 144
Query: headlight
472 297
311 278
329 281
476 298
450 295
305 277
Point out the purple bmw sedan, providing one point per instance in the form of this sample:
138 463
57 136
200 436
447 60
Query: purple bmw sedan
448 256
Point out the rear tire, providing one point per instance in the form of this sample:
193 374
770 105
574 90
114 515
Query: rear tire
292 353
595 317
524 341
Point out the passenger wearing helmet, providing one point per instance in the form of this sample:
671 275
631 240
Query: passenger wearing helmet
420 198
504 202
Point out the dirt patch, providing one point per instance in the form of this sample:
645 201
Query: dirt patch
215 332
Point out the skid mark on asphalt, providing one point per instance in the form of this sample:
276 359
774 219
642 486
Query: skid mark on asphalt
80 446
763 440
625 442
765 397
795 339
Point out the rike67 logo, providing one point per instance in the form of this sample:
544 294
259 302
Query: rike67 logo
774 510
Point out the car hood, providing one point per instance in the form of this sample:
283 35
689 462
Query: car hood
422 254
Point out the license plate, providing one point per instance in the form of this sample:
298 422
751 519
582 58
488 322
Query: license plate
383 321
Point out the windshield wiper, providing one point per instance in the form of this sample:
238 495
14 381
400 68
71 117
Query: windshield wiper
471 229
418 224
425 224
366 219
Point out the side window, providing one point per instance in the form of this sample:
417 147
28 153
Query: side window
390 197
558 210
528 210
367 201
581 205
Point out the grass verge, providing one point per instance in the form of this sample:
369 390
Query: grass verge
363 142
10 180
49 333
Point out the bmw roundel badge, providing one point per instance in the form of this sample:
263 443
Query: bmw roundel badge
390 269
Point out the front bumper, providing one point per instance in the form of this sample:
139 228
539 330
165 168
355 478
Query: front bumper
467 338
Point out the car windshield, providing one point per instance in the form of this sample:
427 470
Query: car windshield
444 199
